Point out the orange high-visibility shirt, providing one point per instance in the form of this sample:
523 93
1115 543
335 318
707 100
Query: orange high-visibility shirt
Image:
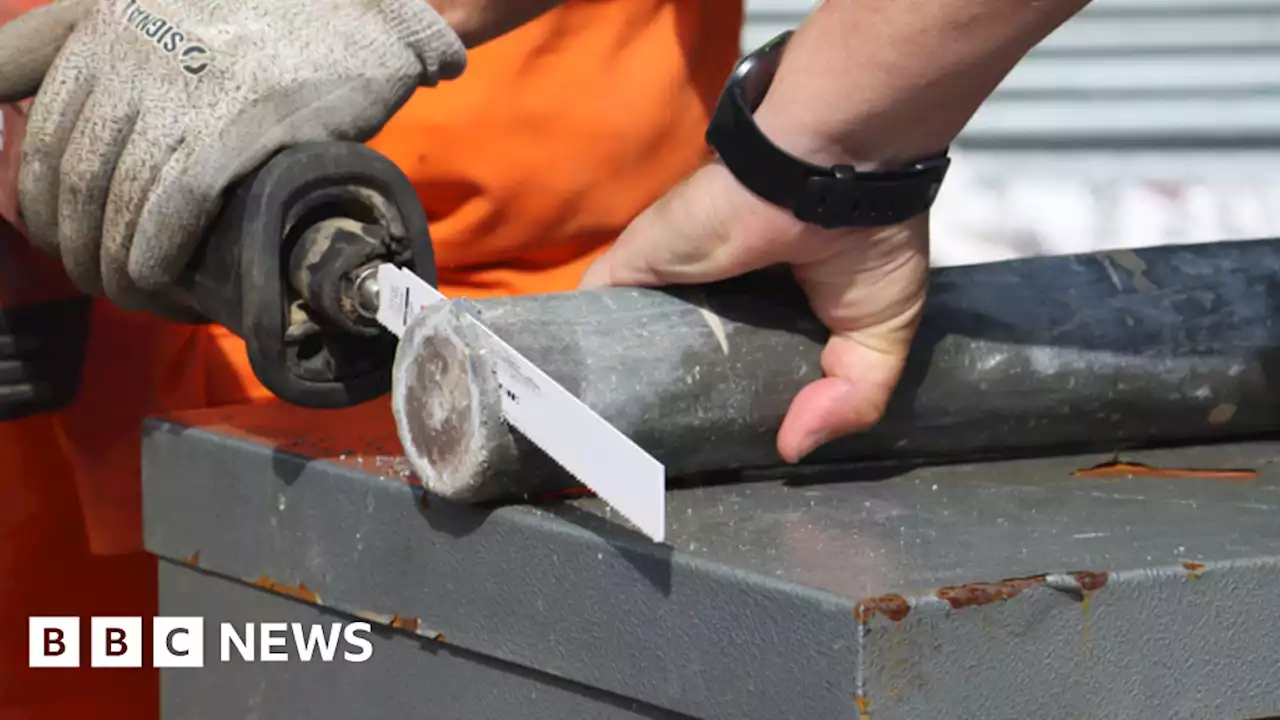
555 137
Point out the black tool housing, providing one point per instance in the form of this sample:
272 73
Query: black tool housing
278 268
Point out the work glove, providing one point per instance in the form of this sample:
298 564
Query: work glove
148 109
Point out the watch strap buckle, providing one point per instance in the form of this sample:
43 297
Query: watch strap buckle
827 198
841 197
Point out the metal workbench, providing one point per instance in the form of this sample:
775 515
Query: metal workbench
996 590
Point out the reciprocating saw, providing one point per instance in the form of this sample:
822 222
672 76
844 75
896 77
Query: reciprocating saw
288 265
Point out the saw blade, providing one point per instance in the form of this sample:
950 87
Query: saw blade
586 445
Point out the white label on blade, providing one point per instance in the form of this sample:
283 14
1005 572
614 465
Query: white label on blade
401 295
604 459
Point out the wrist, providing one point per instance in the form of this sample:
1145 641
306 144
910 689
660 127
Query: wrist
878 134
879 84
480 21
798 169
464 17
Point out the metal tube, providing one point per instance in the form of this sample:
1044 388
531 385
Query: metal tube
1099 351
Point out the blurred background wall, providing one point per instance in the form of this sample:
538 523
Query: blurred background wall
1139 123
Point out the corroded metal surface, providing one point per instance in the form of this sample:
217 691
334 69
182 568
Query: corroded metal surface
1159 642
991 590
407 676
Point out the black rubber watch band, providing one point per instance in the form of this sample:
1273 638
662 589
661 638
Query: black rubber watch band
831 197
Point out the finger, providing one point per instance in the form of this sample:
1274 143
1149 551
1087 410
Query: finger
152 144
53 117
99 138
869 289
689 236
859 381
188 191
186 196
30 42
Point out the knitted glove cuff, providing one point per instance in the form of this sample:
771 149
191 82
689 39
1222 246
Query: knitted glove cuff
438 47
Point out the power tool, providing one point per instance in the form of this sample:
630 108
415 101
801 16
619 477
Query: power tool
284 266
288 266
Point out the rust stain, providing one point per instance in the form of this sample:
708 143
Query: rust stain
864 707
566 494
1090 581
379 618
409 624
1193 569
975 594
893 607
299 591
1129 470
401 622
194 560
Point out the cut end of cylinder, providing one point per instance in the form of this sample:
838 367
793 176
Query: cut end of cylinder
446 403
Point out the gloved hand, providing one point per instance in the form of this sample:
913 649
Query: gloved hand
152 107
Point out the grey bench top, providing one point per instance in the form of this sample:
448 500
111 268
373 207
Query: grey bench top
993 589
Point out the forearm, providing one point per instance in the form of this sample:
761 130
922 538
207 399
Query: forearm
879 82
479 21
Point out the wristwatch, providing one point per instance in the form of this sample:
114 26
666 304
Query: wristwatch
832 197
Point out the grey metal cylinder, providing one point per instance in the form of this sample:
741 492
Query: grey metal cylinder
1088 352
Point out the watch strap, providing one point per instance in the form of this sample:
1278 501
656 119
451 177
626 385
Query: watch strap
838 196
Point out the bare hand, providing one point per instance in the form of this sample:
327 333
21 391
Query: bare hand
866 285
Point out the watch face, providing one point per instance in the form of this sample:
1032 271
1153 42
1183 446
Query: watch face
755 72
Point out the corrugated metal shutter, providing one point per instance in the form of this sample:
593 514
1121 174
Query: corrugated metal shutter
1158 72
1139 122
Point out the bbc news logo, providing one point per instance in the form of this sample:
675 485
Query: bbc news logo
178 642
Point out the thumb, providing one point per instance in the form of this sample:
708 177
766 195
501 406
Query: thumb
860 378
30 42
871 294
693 234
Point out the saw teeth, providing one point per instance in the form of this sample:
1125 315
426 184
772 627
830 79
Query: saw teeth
516 428
538 400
